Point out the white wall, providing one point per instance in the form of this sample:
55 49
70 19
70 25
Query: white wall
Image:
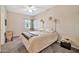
3 17
15 23
67 19
0 26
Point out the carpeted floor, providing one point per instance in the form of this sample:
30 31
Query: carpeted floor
16 46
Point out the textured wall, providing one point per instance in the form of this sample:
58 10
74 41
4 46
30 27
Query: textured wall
15 23
67 19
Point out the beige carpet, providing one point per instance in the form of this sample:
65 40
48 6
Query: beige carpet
16 46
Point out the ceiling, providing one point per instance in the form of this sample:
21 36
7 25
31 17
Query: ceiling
21 9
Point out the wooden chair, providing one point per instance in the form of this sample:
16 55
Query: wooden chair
8 36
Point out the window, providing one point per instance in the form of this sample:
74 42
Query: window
27 24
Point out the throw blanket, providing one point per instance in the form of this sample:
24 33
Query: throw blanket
38 43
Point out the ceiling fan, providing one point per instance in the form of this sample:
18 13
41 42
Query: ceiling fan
30 8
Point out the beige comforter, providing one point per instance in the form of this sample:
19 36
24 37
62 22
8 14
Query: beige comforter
38 43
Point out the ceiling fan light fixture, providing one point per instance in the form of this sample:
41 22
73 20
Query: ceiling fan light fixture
30 8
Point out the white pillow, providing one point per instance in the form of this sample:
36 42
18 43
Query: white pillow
49 30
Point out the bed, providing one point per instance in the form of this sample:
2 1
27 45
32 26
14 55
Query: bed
39 41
